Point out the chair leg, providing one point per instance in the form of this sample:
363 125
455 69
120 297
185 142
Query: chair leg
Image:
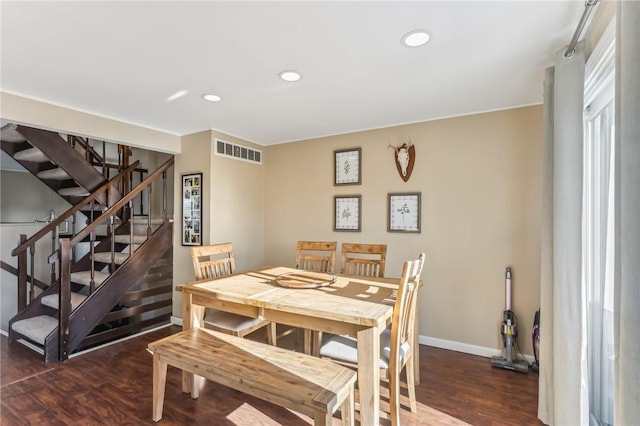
272 334
411 384
394 398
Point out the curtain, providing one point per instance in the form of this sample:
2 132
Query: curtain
627 288
563 393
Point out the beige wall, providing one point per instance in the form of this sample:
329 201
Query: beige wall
480 179
47 116
233 207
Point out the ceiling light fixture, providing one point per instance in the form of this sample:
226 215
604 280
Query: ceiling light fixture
211 98
290 76
415 38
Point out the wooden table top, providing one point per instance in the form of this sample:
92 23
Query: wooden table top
354 300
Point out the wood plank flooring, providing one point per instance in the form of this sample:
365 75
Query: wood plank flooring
112 386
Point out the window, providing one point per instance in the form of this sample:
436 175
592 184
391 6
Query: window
598 227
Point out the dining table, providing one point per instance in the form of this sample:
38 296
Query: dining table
361 307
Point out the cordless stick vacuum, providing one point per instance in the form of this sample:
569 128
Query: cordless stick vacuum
509 333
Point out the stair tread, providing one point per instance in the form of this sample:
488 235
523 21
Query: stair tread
31 154
105 257
125 239
73 191
54 174
53 302
36 328
84 277
142 220
9 133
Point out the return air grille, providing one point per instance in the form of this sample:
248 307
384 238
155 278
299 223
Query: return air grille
238 152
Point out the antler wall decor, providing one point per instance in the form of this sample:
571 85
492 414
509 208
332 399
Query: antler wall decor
405 157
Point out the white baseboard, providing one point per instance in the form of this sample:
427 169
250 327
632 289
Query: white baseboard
465 347
437 343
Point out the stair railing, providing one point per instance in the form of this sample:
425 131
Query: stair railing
66 245
27 247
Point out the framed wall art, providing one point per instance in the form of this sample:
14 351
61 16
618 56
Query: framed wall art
192 209
346 213
404 212
347 167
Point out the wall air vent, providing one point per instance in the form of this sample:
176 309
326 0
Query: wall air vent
238 152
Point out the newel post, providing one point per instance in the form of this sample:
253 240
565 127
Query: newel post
64 298
22 274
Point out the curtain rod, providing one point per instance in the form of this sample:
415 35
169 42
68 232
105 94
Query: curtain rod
588 8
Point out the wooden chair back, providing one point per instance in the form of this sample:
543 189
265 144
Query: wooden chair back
403 333
365 260
213 261
319 256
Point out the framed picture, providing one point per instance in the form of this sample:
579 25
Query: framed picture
347 167
192 209
404 212
347 213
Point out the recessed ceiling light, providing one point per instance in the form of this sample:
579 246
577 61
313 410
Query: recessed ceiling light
290 76
211 98
415 38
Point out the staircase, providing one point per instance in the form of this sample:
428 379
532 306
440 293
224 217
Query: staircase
123 284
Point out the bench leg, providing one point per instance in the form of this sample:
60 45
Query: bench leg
197 382
347 409
272 334
159 382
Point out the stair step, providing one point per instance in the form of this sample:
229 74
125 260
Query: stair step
84 277
142 220
54 174
74 191
105 257
31 154
36 328
53 302
9 134
125 239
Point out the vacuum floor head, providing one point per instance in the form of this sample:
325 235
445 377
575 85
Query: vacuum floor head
517 365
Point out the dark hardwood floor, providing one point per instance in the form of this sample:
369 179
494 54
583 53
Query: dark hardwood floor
112 386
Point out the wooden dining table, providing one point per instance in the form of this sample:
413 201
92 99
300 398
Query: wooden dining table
355 306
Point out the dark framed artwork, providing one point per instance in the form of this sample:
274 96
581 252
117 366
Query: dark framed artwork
347 167
192 209
404 212
347 213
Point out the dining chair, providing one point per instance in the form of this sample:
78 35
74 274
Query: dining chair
365 260
215 261
396 341
318 256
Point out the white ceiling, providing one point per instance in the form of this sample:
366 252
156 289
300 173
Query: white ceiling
122 60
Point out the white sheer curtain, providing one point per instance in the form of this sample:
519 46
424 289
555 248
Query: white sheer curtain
627 288
563 393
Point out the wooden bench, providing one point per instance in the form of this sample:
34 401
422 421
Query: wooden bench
309 385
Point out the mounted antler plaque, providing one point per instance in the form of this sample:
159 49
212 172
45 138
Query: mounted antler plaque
405 157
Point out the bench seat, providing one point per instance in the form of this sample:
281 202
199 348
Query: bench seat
309 385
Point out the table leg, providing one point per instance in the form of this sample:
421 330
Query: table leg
369 376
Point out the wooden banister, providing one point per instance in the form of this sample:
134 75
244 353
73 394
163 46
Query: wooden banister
64 216
122 202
